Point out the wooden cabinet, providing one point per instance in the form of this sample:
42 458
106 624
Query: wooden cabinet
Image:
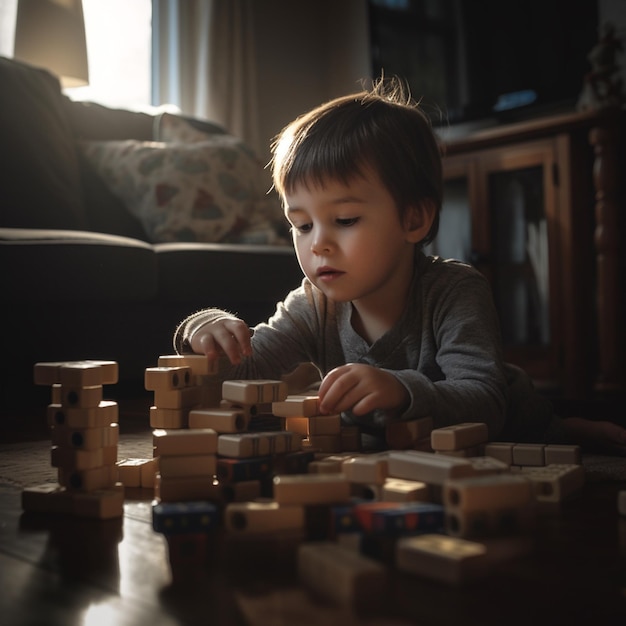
536 207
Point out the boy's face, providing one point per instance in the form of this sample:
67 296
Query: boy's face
350 239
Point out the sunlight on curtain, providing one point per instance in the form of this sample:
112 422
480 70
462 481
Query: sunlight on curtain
205 62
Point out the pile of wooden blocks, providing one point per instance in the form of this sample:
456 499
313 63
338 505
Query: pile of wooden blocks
85 434
443 503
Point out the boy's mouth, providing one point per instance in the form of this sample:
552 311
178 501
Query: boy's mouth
326 273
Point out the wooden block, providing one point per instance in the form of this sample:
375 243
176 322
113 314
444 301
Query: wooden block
81 397
449 560
110 370
325 443
350 438
484 465
104 477
297 406
73 459
210 391
500 450
167 378
254 391
342 577
249 410
556 482
562 455
101 416
177 442
529 454
184 398
46 498
55 394
149 471
403 435
325 467
298 425
168 418
220 420
311 489
198 363
99 504
459 436
367 469
400 490
286 442
426 467
462 453
187 465
76 373
240 470
85 438
242 491
244 445
171 518
489 522
319 425
496 491
323 425
187 488
453 560
129 471
109 455
262 517
293 462
392 518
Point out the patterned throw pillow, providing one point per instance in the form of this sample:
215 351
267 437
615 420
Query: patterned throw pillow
209 188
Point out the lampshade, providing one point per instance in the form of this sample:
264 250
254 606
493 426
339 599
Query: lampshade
51 34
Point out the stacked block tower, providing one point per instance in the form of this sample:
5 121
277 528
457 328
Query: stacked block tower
84 435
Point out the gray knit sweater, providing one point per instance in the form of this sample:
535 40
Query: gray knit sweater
446 351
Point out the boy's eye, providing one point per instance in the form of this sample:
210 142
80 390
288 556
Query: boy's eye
302 228
347 221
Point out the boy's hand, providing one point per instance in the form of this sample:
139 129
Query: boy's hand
361 389
225 336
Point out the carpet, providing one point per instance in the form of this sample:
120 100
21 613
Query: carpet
25 464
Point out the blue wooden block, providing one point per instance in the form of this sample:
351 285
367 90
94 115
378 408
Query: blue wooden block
170 518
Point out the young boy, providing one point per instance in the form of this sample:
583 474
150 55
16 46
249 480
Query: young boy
395 334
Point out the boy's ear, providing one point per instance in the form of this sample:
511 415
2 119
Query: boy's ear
418 220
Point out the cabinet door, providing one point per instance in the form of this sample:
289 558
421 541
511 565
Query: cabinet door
517 215
456 222
500 214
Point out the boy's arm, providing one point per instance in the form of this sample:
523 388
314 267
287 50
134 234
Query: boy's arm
289 338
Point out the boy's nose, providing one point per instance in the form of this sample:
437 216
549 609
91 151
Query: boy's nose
320 243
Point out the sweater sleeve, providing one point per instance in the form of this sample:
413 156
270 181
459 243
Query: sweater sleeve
296 333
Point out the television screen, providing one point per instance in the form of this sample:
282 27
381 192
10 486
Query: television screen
472 59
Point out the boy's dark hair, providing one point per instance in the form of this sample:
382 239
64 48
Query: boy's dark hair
383 129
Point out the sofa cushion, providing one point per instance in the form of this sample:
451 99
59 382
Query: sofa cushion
210 191
39 175
67 265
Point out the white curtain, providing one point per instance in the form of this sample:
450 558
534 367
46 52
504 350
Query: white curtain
204 62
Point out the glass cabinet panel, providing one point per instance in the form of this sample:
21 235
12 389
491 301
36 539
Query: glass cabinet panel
519 255
454 240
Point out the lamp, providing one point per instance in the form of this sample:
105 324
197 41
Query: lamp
51 34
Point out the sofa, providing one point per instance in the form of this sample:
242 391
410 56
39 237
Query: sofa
116 224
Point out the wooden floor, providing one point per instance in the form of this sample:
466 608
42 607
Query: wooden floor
65 571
